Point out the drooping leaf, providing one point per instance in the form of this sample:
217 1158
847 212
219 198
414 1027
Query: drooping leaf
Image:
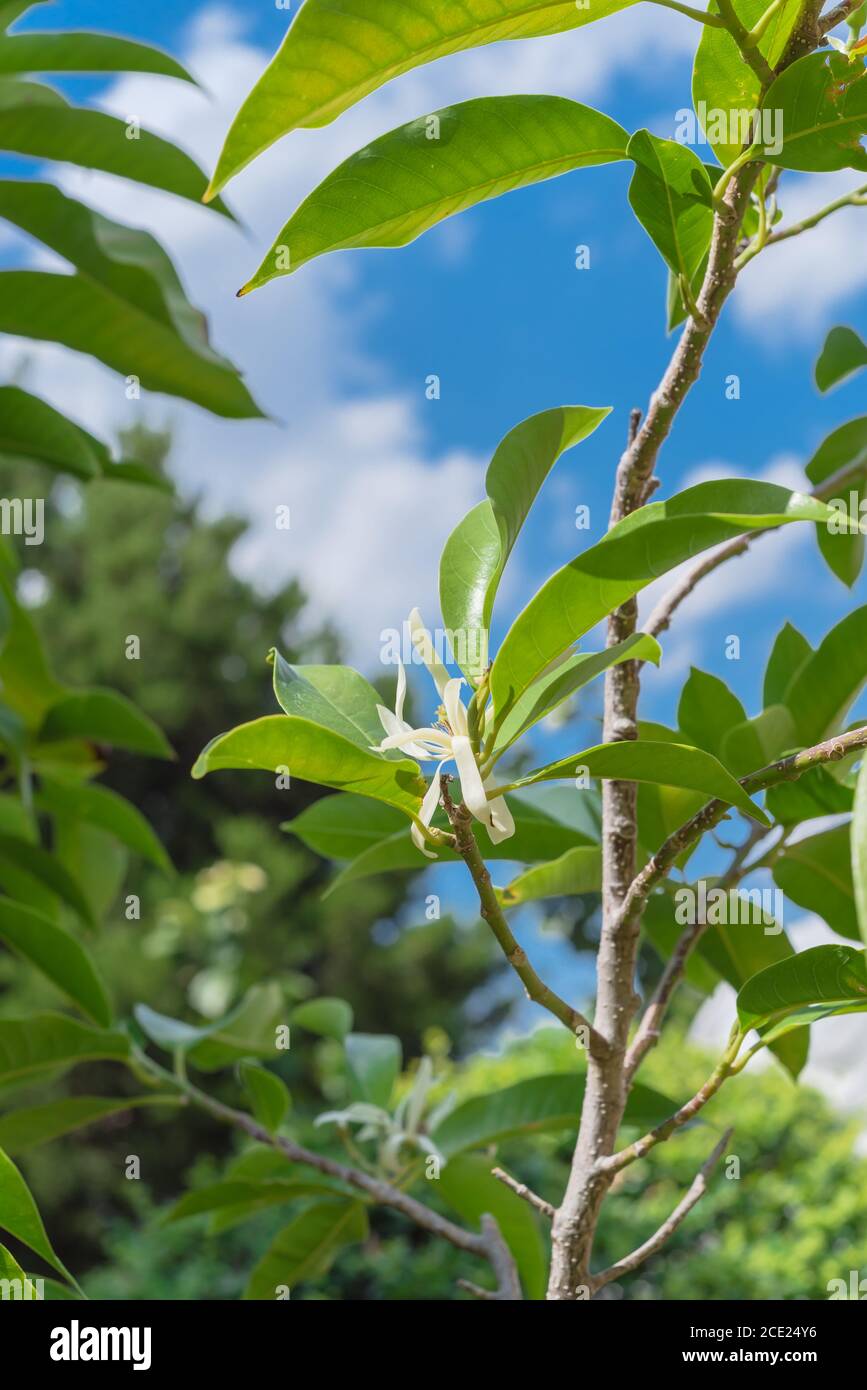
536 1105
816 873
575 872
32 429
406 182
671 195
843 550
19 1216
306 1248
373 1061
169 1033
330 58
47 869
314 754
827 685
25 1129
268 1095
476 552
668 764
105 716
724 86
822 104
331 1018
790 652
41 1043
100 806
57 954
832 977
843 354
84 52
250 1030
467 1186
708 710
650 542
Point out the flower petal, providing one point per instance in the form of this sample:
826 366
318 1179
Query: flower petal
455 712
502 826
472 787
427 811
401 689
421 640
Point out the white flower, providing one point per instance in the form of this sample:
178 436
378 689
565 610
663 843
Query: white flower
441 743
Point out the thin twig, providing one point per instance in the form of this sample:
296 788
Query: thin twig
838 15
521 1189
651 1247
856 199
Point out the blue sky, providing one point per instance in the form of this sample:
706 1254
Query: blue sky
375 474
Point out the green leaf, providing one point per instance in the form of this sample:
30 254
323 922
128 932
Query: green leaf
843 550
859 850
105 716
267 1094
331 1018
834 977
21 1130
414 177
102 807
334 697
10 10
58 955
827 685
476 552
95 140
536 1105
314 754
46 869
790 652
467 1186
330 58
305 1249
169 1033
662 931
342 826
815 793
816 873
84 52
373 1061
822 103
575 872
32 429
708 710
843 354
11 1271
757 742
650 542
237 1200
82 314
723 85
667 764
564 680
20 1217
30 1047
671 195
250 1030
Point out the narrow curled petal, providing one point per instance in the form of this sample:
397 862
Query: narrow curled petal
455 712
472 787
428 743
502 826
426 813
401 690
421 640
399 734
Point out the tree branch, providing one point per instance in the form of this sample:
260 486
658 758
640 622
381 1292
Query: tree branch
838 15
527 1194
651 1247
857 198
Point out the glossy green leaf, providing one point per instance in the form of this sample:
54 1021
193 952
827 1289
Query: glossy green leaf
708 710
19 1216
566 679
172 1034
331 58
843 354
105 716
47 1042
790 652
28 684
723 85
575 872
32 429
344 825
373 1061
843 550
267 1094
331 1018
757 742
668 764
100 806
314 754
828 684
815 793
476 552
536 1105
10 10
25 1129
13 1281
58 956
82 314
834 977
336 697
822 103
406 182
659 927
649 543
250 1030
37 863
305 1249
671 195
816 873
84 52
859 850
467 1186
